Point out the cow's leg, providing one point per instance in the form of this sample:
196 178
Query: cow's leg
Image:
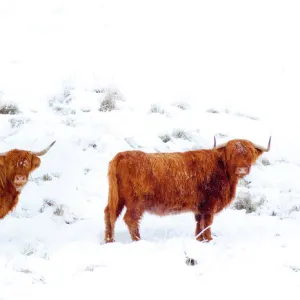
132 218
203 231
109 227
109 223
199 226
208 220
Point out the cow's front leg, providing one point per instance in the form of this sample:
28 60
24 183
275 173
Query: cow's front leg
204 221
132 218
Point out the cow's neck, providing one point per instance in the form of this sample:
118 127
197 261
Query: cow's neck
9 196
232 178
8 190
8 199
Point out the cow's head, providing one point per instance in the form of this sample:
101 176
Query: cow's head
18 164
240 155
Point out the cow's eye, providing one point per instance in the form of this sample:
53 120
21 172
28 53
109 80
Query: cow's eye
22 163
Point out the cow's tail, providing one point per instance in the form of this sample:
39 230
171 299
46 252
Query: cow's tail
113 201
113 195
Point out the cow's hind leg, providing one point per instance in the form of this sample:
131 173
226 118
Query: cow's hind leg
132 218
110 224
109 227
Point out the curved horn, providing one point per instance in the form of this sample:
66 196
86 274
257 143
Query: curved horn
219 146
263 148
40 153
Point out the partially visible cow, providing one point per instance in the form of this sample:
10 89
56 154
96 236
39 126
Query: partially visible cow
201 181
15 168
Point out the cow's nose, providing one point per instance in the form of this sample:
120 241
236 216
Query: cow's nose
242 171
20 178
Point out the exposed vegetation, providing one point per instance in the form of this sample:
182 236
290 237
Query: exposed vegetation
265 161
213 111
18 122
157 109
61 101
165 138
245 201
181 134
9 109
108 103
182 105
47 177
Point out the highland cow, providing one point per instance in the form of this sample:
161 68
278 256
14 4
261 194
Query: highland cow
202 182
15 168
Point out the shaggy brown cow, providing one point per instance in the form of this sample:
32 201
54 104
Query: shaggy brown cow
15 168
202 181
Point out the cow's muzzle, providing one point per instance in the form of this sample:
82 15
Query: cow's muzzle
242 171
20 181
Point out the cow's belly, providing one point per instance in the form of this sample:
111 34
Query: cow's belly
162 210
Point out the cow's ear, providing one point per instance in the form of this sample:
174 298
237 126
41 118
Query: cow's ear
35 162
258 152
2 161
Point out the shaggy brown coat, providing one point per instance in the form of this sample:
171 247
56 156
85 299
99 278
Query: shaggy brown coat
202 181
15 168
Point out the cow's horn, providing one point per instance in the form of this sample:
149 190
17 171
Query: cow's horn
263 148
3 153
219 146
43 151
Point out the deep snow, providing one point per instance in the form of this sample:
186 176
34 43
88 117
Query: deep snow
181 70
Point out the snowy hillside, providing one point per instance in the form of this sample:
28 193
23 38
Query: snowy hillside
101 77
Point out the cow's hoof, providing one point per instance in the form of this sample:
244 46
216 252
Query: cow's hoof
107 241
204 240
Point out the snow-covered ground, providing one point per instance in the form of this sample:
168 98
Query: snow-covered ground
175 73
